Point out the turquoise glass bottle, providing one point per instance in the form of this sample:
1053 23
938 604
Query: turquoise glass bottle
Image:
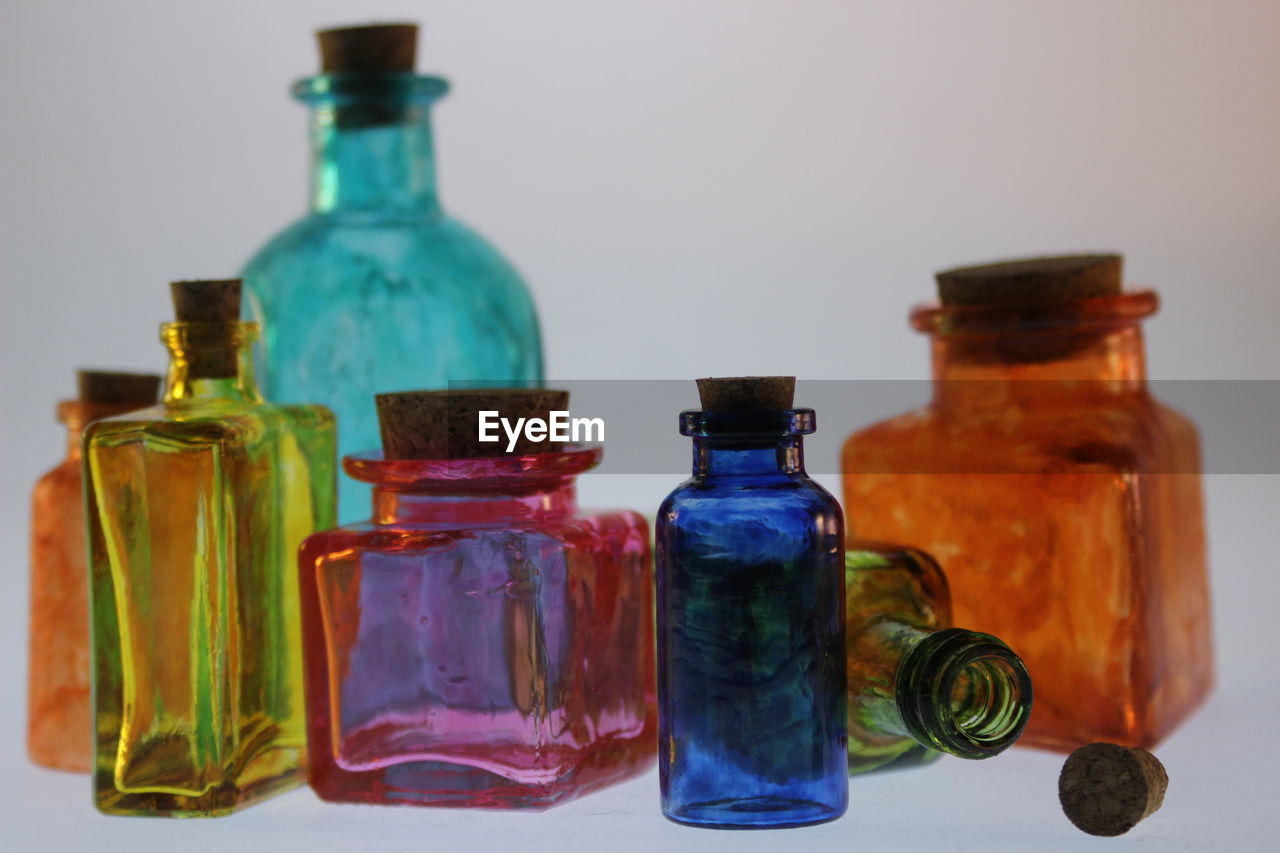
376 289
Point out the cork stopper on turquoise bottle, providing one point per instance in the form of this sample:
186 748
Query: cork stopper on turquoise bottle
376 59
210 352
446 424
369 48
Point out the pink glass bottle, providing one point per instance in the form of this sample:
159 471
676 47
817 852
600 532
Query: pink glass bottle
479 642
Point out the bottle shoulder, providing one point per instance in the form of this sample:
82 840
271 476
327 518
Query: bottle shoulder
1181 429
58 482
733 498
433 241
904 424
220 422
1119 433
330 274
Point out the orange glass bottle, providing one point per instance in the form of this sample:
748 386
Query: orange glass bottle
59 731
1063 499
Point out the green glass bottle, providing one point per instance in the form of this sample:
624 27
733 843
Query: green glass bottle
196 508
917 686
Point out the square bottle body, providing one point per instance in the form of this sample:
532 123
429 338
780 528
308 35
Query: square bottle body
493 666
1073 530
195 512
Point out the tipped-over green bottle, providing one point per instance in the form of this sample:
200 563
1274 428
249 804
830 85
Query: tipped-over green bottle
917 686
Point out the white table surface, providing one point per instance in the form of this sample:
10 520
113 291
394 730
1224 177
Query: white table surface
1223 763
1221 796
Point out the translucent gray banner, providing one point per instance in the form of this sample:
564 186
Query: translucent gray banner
982 427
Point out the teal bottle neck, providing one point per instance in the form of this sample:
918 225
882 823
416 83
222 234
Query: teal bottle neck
372 152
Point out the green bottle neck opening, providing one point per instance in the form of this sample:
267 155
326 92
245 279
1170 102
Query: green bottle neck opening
964 693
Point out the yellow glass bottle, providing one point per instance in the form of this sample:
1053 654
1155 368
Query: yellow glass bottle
196 508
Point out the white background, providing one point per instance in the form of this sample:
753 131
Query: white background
691 188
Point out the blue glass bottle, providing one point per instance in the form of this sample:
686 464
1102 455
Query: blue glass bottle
376 289
751 642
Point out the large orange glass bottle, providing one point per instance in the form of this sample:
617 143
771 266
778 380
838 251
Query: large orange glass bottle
1062 498
58 715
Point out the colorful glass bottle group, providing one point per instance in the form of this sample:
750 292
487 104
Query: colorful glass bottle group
468 637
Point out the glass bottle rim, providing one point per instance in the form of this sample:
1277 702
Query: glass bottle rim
355 87
945 659
1096 312
734 424
182 335
444 475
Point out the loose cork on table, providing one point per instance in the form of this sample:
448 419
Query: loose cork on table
445 424
1107 789
747 393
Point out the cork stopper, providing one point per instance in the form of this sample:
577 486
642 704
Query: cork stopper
747 393
107 388
1033 280
210 301
446 424
373 48
1106 789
